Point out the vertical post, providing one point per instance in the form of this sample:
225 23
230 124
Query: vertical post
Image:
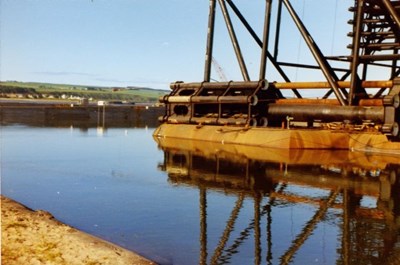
278 29
203 226
234 40
346 229
257 229
104 115
210 41
269 234
356 47
267 19
98 115
394 66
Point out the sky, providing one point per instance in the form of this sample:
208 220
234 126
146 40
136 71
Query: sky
147 43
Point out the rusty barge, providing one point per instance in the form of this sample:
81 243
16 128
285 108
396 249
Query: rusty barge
354 109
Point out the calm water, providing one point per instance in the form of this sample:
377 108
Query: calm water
179 202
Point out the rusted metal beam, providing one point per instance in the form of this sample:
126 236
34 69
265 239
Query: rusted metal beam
210 41
278 29
220 85
278 85
212 99
324 85
264 50
326 113
305 101
355 51
393 13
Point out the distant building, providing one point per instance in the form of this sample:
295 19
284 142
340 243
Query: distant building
114 89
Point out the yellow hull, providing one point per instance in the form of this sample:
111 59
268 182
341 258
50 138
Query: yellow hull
282 138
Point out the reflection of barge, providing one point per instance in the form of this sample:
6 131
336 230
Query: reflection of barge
352 111
38 113
334 182
236 167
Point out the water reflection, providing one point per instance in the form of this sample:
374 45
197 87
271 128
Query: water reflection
356 195
85 117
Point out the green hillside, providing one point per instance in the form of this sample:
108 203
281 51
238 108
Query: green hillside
66 91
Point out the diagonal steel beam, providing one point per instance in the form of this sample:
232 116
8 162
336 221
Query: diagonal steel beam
392 11
234 40
308 229
229 227
260 43
316 52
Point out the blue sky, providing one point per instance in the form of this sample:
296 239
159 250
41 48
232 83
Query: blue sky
146 43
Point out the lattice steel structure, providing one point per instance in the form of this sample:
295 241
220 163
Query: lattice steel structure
351 99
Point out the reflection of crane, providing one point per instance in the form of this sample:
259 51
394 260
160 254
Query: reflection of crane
246 176
219 70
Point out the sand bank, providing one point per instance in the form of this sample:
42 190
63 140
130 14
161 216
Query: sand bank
36 237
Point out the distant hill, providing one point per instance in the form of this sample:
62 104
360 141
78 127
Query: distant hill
34 90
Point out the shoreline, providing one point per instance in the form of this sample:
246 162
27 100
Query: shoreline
36 237
68 113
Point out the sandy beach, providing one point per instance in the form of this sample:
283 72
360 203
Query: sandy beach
36 237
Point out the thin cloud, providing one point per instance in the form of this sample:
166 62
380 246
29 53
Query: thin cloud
53 73
111 80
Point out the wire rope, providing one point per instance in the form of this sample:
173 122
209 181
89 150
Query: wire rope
334 27
299 46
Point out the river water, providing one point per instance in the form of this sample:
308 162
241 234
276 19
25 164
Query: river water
181 202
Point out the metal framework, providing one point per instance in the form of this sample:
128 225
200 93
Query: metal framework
348 100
